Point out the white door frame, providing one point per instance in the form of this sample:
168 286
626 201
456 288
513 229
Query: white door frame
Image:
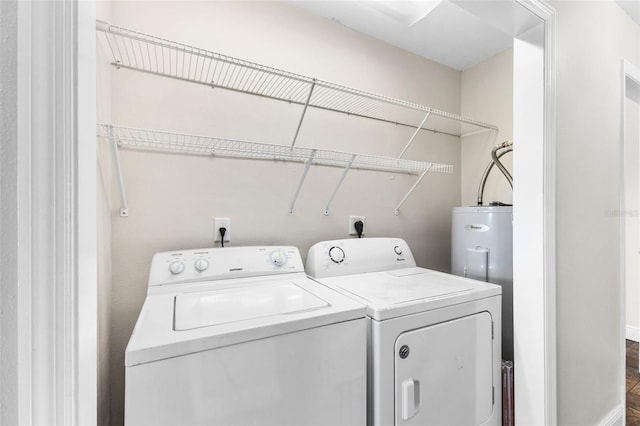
51 299
628 72
534 236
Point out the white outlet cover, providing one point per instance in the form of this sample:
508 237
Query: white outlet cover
354 219
221 222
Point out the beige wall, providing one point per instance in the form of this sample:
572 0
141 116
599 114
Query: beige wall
592 39
173 199
487 95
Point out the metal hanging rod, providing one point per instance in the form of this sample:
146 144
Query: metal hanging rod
143 52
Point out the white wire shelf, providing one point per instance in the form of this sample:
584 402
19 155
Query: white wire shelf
154 140
135 50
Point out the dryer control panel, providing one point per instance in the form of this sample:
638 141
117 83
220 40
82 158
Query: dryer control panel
187 266
356 256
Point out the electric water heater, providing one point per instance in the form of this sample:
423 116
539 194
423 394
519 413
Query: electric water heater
482 249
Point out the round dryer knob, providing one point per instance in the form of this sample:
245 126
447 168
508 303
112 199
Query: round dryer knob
336 254
398 250
176 267
201 264
279 258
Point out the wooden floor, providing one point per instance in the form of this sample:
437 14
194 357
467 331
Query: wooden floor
633 385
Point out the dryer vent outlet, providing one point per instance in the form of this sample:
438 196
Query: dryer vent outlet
352 222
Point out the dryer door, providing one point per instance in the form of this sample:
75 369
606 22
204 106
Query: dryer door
443 373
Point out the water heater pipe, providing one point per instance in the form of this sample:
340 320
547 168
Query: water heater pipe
506 147
496 160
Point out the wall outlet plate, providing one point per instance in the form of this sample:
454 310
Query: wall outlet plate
353 220
221 222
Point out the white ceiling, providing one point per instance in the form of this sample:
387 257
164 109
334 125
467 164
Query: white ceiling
632 7
438 30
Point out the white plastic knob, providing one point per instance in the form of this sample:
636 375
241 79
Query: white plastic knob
176 267
279 257
201 264
398 250
336 254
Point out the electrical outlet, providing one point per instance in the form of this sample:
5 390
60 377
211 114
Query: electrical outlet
353 220
221 222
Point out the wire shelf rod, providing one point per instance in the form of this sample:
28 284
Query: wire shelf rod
413 136
335 191
124 206
346 100
304 111
383 120
135 138
190 144
302 179
406 197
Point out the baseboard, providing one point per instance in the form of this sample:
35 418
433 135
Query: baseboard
633 333
615 417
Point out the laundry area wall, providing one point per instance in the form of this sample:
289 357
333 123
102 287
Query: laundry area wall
173 199
487 95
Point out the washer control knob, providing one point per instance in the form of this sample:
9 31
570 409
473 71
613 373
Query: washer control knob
336 254
398 250
201 264
176 267
279 258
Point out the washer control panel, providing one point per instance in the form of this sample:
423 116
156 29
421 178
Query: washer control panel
222 263
358 255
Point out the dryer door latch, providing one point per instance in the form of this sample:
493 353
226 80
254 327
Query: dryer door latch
410 398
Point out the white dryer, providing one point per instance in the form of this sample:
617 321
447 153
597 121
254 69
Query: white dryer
241 336
433 338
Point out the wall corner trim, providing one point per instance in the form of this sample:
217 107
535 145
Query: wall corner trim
547 14
614 418
56 265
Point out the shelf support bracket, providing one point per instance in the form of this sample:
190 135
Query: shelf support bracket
424 120
304 176
124 209
344 175
495 137
304 111
475 132
415 185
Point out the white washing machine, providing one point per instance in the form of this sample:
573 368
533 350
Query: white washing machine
433 338
241 336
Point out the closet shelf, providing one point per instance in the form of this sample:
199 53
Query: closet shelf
143 52
153 140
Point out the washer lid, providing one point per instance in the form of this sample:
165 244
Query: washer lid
229 305
406 291
201 316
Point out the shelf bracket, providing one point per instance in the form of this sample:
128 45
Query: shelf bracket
415 185
424 120
344 175
304 176
495 137
304 111
124 209
475 132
